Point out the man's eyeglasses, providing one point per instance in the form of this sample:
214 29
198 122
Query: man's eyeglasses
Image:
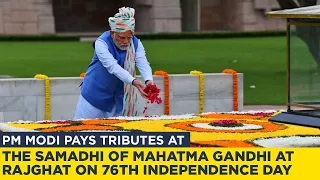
124 37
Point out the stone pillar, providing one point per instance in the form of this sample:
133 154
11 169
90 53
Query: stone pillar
26 17
211 15
143 13
1 18
158 15
190 15
166 16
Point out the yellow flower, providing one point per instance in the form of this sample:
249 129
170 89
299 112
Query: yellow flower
201 89
47 94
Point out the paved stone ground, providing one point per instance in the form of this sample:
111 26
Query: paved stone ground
264 107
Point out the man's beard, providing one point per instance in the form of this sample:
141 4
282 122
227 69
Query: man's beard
120 46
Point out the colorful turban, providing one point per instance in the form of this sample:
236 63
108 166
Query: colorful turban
123 20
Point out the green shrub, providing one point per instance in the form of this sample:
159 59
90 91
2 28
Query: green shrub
52 37
151 36
208 35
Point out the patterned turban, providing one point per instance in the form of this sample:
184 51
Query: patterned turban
123 20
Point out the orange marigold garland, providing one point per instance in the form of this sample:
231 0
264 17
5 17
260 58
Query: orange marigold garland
82 74
166 91
235 87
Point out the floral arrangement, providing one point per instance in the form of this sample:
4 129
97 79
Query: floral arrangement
153 95
166 91
201 89
47 94
235 87
212 129
226 123
82 74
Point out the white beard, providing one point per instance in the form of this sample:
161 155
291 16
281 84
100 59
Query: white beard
121 48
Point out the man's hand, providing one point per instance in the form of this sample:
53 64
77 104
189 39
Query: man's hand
140 86
149 82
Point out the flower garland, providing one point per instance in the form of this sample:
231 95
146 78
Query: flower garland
201 88
269 135
82 74
47 94
166 91
235 87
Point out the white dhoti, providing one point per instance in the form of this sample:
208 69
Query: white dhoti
85 110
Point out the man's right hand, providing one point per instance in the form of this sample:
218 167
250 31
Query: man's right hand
140 86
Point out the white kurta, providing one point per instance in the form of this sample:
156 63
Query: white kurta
84 109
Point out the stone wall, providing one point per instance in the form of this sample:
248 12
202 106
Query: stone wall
210 15
74 16
254 16
92 16
158 16
85 16
82 16
23 99
26 17
239 15
190 15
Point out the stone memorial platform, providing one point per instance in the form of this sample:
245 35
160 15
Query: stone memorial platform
25 99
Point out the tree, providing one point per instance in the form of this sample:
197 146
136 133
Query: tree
309 34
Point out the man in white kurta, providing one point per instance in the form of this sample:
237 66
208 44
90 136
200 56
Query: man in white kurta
110 77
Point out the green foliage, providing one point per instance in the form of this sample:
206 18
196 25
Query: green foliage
209 35
47 37
150 36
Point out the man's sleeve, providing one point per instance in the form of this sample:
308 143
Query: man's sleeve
111 64
142 63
